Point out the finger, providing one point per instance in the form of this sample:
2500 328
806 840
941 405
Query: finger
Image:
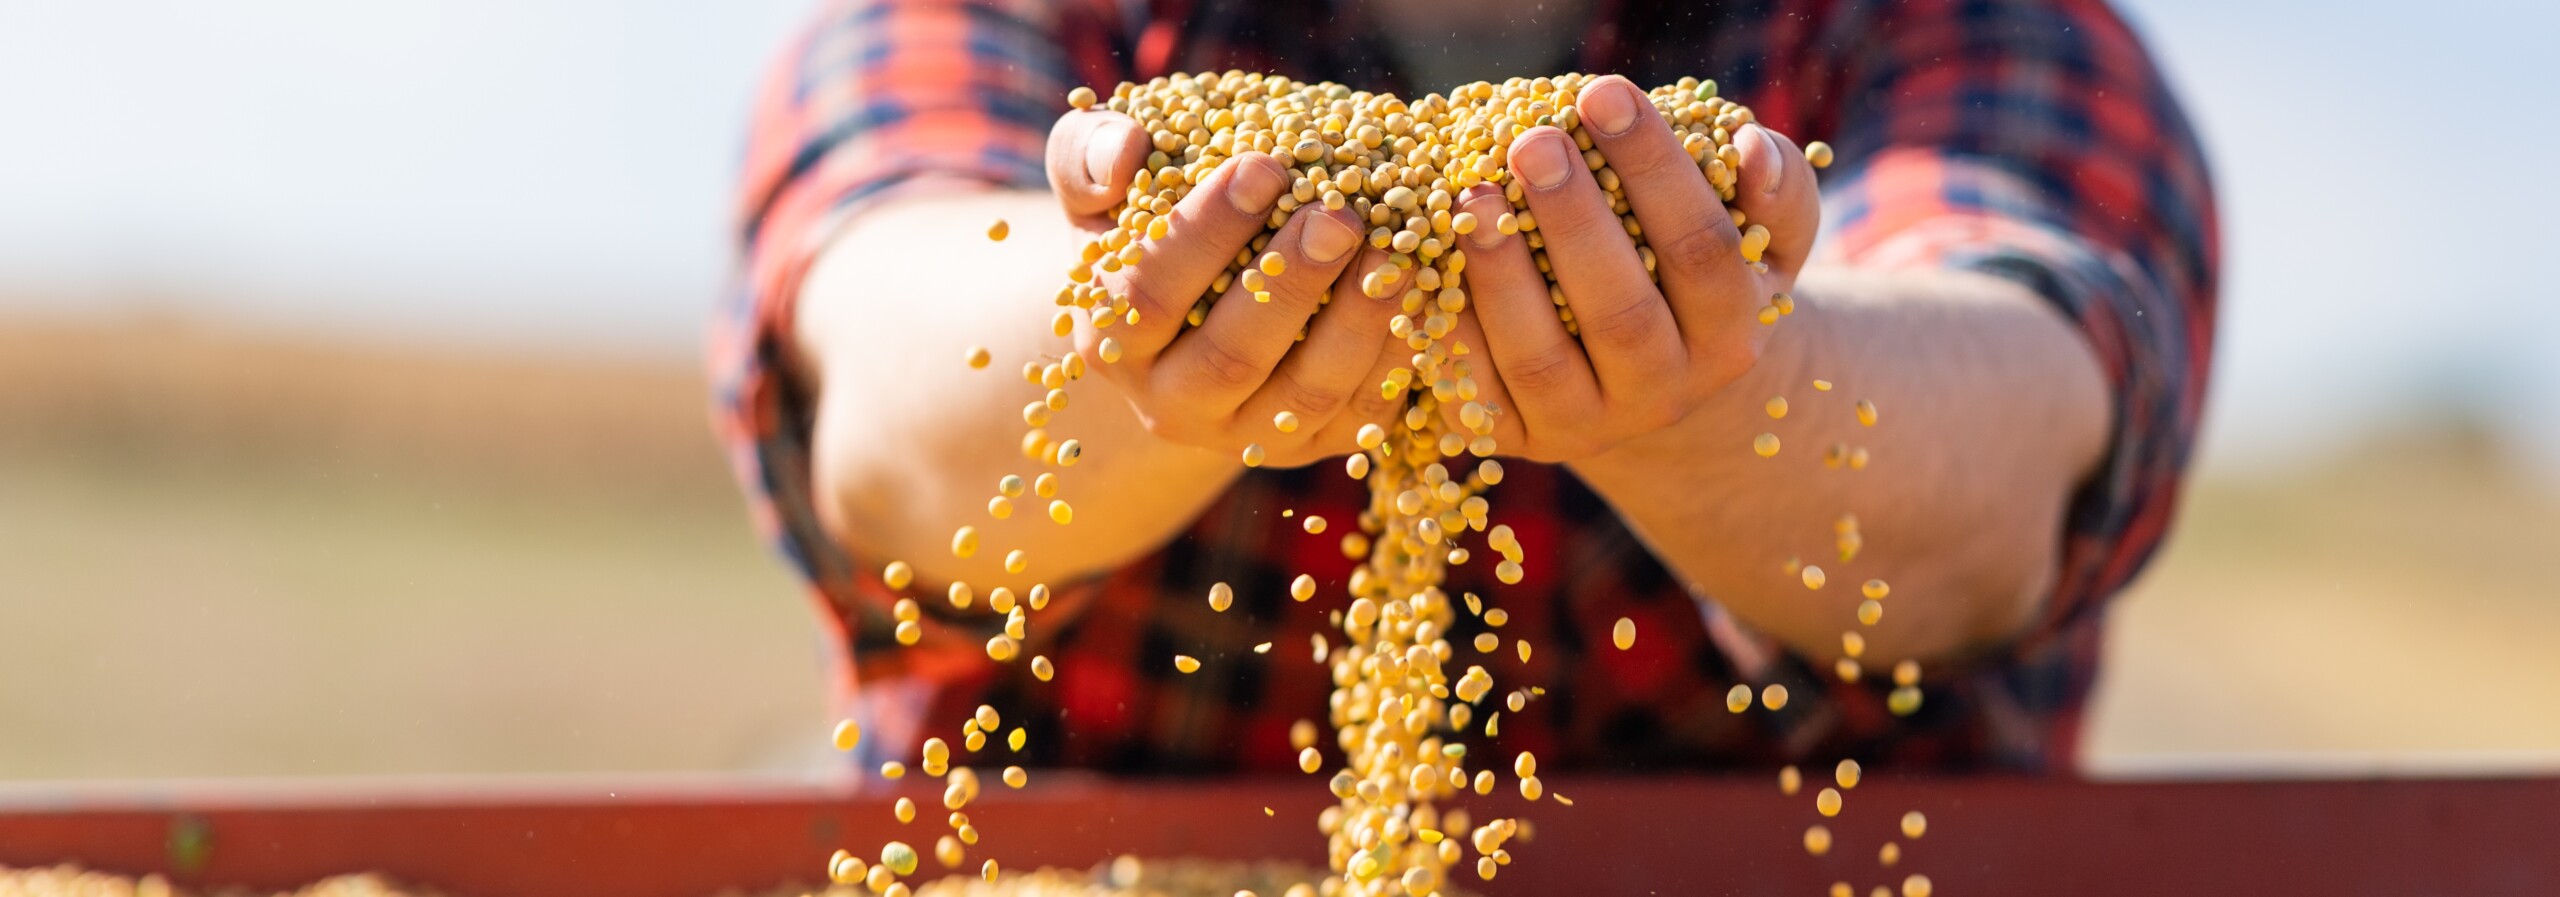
1093 153
1492 397
1627 328
1220 364
1206 230
1320 376
1695 244
1369 405
1548 375
1776 189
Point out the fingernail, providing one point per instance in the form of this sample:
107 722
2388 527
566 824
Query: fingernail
1610 107
1542 160
1102 151
1254 187
1770 150
1327 238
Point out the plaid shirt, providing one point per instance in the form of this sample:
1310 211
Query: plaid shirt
2031 140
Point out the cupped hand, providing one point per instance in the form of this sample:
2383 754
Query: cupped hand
1225 384
1649 352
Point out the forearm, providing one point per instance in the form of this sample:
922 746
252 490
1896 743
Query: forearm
910 442
1992 410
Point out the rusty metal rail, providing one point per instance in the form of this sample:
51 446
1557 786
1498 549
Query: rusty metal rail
480 838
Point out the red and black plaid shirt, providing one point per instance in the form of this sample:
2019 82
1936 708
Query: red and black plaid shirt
2030 139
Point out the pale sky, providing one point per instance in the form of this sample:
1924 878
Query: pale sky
556 173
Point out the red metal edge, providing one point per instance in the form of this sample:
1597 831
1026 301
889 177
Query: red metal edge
1680 835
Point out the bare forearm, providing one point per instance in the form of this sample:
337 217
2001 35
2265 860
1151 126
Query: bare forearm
911 442
1992 409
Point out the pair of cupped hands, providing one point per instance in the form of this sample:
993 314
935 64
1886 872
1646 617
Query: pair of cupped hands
1647 355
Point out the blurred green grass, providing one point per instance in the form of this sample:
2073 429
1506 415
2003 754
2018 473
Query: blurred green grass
234 555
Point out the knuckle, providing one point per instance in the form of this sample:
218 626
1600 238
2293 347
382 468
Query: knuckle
1698 245
1621 327
1221 364
1305 399
1545 371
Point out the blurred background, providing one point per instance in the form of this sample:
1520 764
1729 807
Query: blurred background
350 422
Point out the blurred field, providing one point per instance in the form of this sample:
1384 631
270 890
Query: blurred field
233 555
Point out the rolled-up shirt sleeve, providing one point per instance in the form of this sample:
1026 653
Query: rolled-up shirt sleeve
2036 141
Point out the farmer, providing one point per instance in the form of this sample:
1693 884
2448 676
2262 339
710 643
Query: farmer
2016 265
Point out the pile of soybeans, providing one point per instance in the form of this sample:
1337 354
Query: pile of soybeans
1400 712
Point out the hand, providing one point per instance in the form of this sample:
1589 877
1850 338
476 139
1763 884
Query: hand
1649 353
1221 385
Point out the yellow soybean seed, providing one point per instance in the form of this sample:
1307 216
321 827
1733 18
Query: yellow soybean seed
999 507
964 542
848 733
1273 265
1046 486
1262 648
1063 323
1866 413
909 632
1016 777
1827 803
1303 587
1110 350
1737 699
1357 466
1776 406
974 741
1286 421
948 852
1847 669
1853 644
1253 455
1906 673
1531 788
1790 780
1486 642
898 575
900 858
1822 385
1765 445
1011 486
906 609
1624 634
1875 589
1523 645
1914 825
1916 886
1042 669
1889 855
1755 241
1060 512
1842 889
1221 597
1001 649
893 770
1846 774
999 230
1313 524
1774 697
1371 436
905 810
1491 471
1016 561
1817 840
1186 663
1818 154
1813 577
1016 738
988 871
1309 759
1082 98
1508 571
1869 611
846 869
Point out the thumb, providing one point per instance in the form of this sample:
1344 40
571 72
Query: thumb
1093 154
